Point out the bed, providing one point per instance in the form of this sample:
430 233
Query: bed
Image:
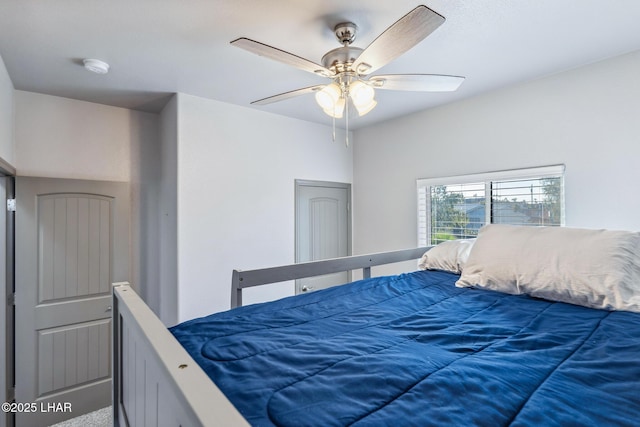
449 344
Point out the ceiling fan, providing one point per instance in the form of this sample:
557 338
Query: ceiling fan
348 66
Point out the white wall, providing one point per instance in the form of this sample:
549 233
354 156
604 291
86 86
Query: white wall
154 185
586 118
65 138
236 173
7 143
145 173
166 252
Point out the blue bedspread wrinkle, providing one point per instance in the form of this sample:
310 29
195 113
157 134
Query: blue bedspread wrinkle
415 350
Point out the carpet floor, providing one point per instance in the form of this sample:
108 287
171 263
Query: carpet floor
100 418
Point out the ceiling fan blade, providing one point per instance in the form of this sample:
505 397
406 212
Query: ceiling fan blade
281 56
287 95
417 82
407 32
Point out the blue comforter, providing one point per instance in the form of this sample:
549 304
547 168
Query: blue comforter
415 350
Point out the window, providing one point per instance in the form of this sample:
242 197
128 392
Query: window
456 207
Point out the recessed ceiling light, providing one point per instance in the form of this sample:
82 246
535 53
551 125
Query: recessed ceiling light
96 66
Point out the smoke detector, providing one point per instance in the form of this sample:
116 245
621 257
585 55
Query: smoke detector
96 66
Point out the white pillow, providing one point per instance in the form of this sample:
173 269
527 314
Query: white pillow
448 256
593 268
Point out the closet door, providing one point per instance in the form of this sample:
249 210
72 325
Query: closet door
6 294
322 229
72 242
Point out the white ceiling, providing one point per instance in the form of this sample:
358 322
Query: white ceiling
159 47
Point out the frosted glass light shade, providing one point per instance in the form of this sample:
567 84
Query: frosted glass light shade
329 96
332 101
337 110
364 109
361 93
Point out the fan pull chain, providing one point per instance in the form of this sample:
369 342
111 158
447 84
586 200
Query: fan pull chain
334 129
346 138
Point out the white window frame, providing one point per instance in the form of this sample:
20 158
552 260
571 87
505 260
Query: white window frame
424 185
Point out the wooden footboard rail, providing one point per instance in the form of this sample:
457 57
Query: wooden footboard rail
246 279
157 383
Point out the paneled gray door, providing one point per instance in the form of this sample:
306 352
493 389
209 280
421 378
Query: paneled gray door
72 242
322 229
6 288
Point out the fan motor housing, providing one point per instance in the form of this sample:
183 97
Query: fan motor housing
341 57
345 32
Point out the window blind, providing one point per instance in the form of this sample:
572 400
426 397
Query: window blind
527 202
457 207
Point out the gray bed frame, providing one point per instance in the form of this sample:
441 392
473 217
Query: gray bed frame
157 383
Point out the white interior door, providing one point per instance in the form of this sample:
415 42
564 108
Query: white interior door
72 242
322 229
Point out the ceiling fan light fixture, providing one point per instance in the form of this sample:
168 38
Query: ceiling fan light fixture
361 93
365 108
337 110
328 97
348 65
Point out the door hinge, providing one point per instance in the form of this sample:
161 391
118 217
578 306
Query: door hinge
11 299
11 205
